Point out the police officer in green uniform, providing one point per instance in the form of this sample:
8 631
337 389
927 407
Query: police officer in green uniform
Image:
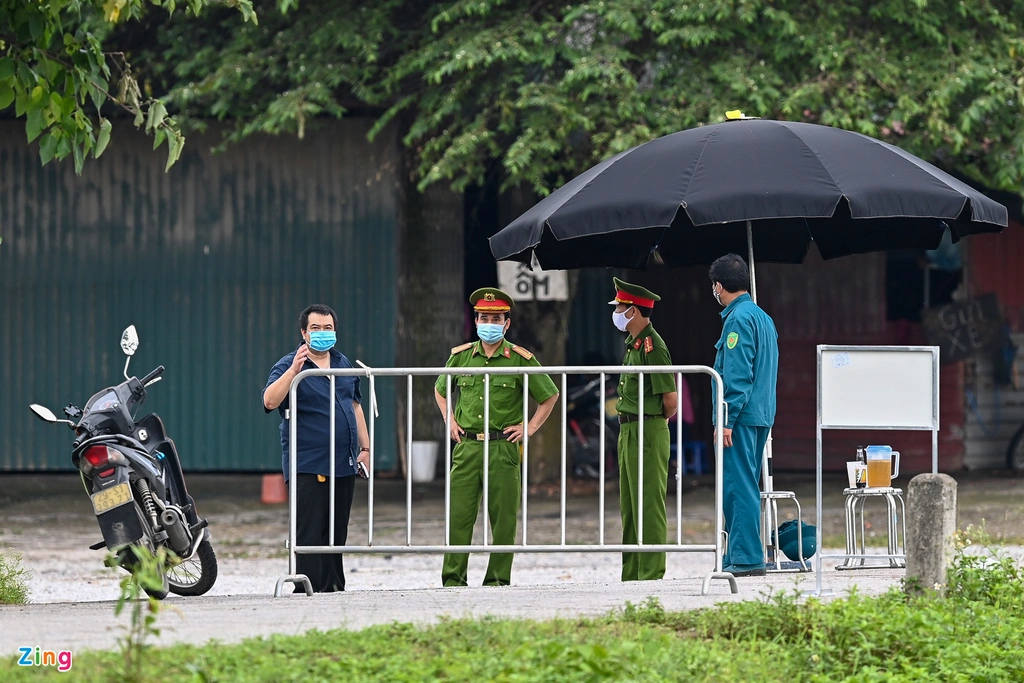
505 434
644 346
748 361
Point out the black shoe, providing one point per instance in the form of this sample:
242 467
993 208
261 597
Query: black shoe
739 573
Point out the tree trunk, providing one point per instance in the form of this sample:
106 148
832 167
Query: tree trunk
430 311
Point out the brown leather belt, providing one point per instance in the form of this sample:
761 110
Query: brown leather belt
629 417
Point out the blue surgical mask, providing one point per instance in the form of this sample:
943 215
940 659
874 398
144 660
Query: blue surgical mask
490 333
322 340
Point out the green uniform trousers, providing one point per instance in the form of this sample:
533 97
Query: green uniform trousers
643 566
741 496
467 485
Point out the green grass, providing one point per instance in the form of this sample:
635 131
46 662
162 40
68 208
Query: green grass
13 590
971 634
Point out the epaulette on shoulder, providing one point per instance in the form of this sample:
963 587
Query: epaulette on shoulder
522 352
460 349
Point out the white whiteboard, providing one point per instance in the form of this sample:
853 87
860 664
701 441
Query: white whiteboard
878 387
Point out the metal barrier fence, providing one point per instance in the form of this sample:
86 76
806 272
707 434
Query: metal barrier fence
373 373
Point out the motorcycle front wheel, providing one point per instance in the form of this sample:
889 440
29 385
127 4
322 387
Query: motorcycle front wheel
194 576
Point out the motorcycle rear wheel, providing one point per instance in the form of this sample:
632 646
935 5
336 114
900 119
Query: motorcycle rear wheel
127 562
197 575
1015 452
159 594
586 455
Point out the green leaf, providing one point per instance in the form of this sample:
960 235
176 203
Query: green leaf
35 26
103 139
26 75
79 158
48 148
174 145
63 147
6 68
6 95
34 124
98 98
140 118
157 114
158 138
22 102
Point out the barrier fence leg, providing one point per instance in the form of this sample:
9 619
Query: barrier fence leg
720 533
292 576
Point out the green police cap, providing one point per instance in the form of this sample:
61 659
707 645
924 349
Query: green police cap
491 300
635 295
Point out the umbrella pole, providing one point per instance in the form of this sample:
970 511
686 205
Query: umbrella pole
768 481
750 261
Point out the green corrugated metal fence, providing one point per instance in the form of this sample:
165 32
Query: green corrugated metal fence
212 262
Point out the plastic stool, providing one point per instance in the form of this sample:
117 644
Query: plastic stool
698 464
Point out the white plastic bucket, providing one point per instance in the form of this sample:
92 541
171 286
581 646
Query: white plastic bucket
424 460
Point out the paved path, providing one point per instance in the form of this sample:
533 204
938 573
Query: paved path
92 625
50 522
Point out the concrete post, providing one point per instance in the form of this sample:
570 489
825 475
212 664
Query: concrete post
931 526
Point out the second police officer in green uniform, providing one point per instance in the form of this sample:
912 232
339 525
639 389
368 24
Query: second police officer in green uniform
505 435
644 346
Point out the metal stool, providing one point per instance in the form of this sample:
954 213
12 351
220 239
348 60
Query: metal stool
855 499
770 521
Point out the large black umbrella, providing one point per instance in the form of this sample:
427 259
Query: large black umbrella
695 195
767 188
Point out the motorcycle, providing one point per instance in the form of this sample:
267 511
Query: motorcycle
583 413
132 473
1015 452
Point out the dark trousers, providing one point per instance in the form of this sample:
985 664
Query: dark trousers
313 508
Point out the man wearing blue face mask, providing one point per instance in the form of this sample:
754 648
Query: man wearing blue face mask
505 434
318 327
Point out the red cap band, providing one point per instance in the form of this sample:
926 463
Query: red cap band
495 305
627 298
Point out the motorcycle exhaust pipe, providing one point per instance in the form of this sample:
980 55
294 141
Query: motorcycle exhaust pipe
176 534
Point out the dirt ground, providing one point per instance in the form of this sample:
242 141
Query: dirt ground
48 519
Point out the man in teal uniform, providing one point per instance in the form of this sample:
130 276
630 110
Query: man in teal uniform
748 361
505 435
644 346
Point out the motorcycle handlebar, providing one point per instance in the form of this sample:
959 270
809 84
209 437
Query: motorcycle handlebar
153 375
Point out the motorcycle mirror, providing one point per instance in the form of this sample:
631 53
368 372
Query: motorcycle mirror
130 341
43 413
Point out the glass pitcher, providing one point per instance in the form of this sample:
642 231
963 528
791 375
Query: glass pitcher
883 465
